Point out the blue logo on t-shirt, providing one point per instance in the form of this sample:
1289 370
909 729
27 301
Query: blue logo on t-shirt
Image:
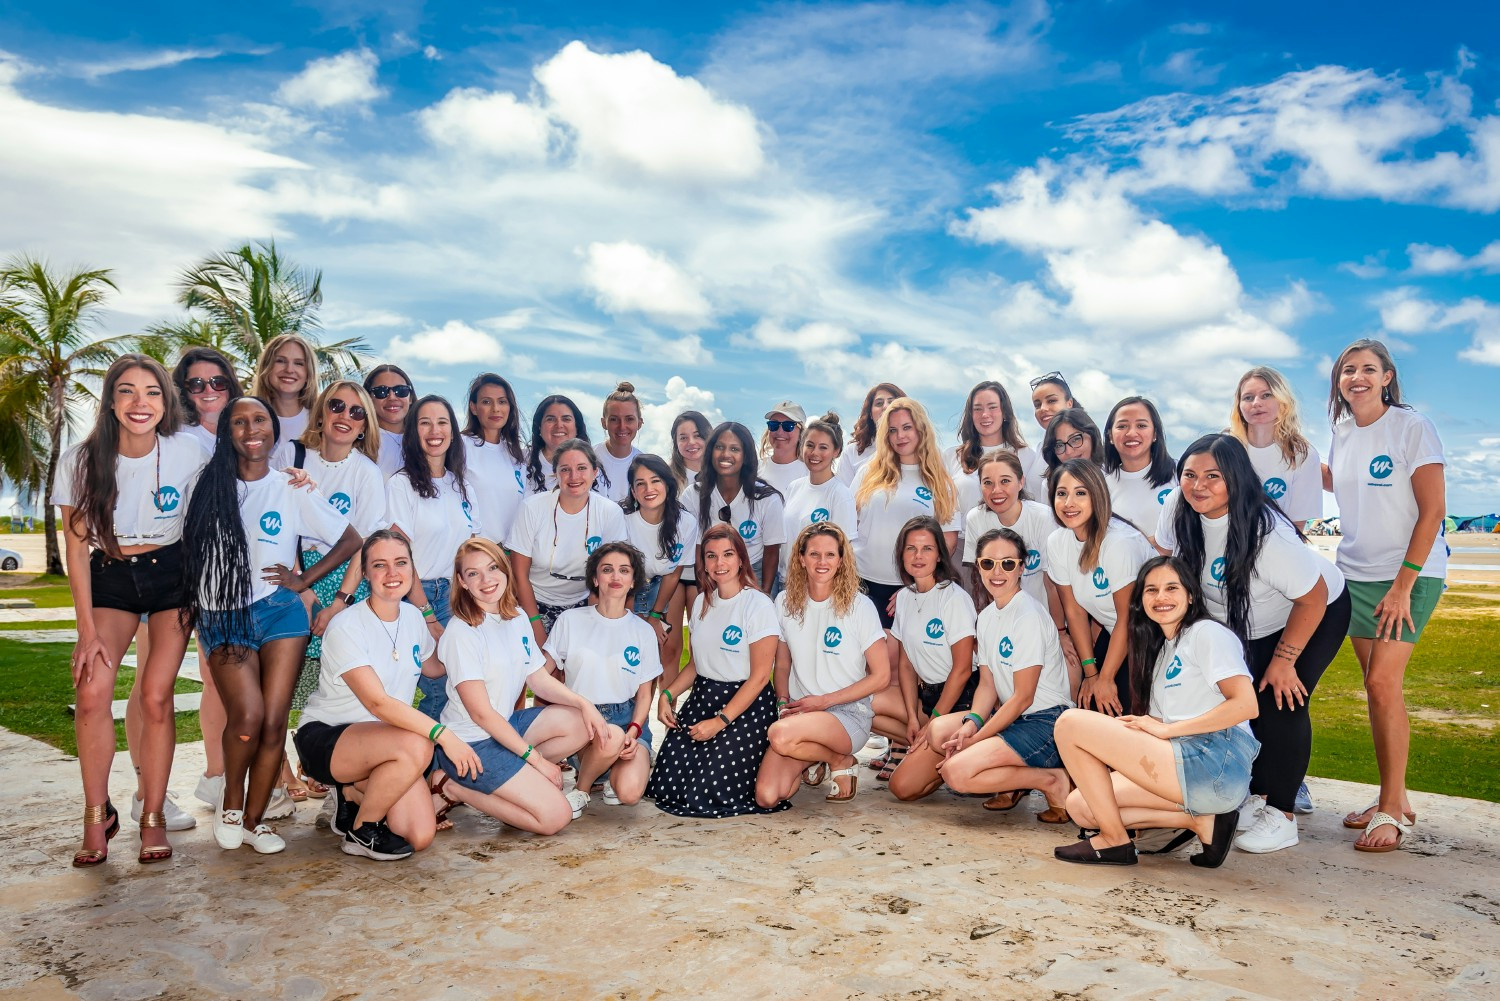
935 629
341 503
676 551
468 512
632 657
1101 580
167 499
924 495
1161 495
270 523
1275 488
593 543
748 529
733 635
1006 647
520 483
819 514
526 645
416 655
1216 570
1033 559
1381 466
1174 668
833 636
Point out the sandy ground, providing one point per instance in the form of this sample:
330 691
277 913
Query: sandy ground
869 899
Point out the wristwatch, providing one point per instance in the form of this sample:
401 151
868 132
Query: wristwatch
722 718
344 596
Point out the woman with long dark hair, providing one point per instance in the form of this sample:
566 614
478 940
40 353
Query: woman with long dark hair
123 491
988 423
1182 758
1072 435
555 420
243 523
735 493
1136 464
206 385
1288 603
690 434
666 533
865 427
1050 396
286 378
391 389
492 439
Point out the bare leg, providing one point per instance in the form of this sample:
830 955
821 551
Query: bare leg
890 715
211 719
1091 744
628 777
1383 664
238 675
595 759
796 742
412 816
156 676
133 706
526 801
992 765
671 664
917 776
93 724
557 732
383 764
280 662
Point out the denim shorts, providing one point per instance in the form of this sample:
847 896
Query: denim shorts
1214 769
645 599
499 762
1030 736
620 714
279 615
435 690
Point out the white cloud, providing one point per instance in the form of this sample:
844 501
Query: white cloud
454 343
335 81
340 314
1405 311
656 429
810 337
472 119
1371 267
629 278
142 61
430 53
1429 260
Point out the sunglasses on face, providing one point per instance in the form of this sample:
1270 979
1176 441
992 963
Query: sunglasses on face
356 412
197 387
1074 440
1049 377
1008 564
400 392
787 426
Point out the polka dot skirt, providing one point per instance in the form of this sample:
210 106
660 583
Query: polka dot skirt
714 778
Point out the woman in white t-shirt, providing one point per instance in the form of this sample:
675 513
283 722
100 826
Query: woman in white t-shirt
621 423
1264 417
1050 396
286 378
492 661
1005 743
666 533
988 424
391 389
862 438
690 432
830 663
492 437
1002 489
1385 468
430 502
123 491
820 495
1288 603
934 630
206 385
241 533
1182 758
555 420
359 733
1136 464
781 445
1072 435
1093 559
731 490
716 739
608 657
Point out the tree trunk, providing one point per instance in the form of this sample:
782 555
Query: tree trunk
55 418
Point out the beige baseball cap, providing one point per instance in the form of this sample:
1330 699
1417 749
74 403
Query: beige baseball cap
789 408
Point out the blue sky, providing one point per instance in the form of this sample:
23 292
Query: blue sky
735 205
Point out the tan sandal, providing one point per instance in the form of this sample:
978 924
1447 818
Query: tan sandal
1004 800
104 813
852 774
153 853
1053 815
315 789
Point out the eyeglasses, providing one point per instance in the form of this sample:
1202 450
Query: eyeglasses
381 392
197 387
724 513
787 426
1073 440
1008 564
356 412
1049 377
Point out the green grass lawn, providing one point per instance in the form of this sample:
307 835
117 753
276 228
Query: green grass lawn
44 591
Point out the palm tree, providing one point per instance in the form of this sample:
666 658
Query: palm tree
47 360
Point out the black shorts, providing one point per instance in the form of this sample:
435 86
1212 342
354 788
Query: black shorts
928 695
881 595
315 742
142 584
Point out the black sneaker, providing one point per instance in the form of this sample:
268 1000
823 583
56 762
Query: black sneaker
344 813
376 841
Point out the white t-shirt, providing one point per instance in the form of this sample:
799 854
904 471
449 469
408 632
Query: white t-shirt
1035 526
782 474
851 461
1185 682
293 426
808 503
762 527
501 653
1019 636
144 513
604 660
927 626
1134 498
828 650
436 526
208 439
499 487
721 639
274 514
1298 490
971 493
1372 468
1121 555
357 637
560 543
354 488
389 452
881 521
618 472
647 538
549 478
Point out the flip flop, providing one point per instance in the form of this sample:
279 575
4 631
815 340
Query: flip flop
1384 820
1354 823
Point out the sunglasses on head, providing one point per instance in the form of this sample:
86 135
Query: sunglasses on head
356 412
197 387
787 426
1007 564
381 392
1049 377
1073 440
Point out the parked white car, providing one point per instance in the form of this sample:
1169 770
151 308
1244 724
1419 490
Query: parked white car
10 559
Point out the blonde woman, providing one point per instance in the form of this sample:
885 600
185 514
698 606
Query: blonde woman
781 445
1264 417
286 377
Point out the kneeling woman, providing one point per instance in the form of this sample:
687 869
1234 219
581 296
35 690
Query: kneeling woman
1012 749
359 733
491 660
1183 759
608 657
716 739
831 661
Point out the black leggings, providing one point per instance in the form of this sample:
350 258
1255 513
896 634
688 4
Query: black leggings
1285 734
1122 676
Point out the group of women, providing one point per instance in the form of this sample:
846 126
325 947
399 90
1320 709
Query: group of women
1134 637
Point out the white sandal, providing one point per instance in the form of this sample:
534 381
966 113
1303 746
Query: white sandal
1351 820
852 773
1384 820
815 774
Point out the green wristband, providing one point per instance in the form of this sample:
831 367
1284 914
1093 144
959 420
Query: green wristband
654 614
435 732
1414 567
527 754
671 699
935 714
534 618
1086 663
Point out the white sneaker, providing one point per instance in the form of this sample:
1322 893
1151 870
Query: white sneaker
1271 832
609 794
578 799
210 790
281 805
177 818
878 744
265 840
1250 809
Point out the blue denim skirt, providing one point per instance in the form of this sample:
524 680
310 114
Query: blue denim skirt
1213 769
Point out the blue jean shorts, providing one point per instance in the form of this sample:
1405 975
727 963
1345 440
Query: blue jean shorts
279 615
620 714
1214 769
435 690
1030 736
645 599
499 762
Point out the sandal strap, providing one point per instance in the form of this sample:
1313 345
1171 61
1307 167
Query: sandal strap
154 819
1385 819
97 814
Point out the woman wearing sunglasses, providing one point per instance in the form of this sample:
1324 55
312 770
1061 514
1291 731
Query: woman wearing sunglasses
781 446
206 384
735 493
391 390
492 437
554 535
